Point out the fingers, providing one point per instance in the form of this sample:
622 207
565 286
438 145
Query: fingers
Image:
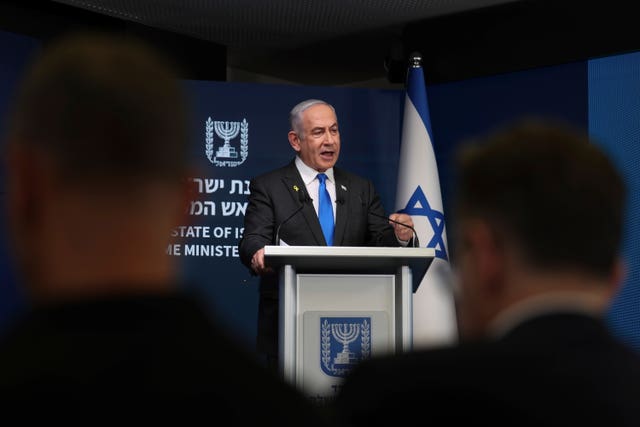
403 218
257 260
403 232
257 263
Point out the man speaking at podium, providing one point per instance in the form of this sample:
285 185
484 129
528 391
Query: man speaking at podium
311 202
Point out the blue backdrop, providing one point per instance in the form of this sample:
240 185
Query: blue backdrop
15 52
614 120
600 95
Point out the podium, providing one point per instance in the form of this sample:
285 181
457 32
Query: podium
340 305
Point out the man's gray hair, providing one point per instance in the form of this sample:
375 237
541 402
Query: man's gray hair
295 115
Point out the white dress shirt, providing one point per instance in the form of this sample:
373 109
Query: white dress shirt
310 179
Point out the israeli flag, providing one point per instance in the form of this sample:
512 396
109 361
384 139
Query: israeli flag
418 194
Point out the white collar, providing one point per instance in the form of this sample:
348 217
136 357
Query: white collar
550 302
309 174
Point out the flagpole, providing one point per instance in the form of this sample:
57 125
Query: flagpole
418 194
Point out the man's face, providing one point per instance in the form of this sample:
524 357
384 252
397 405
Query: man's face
318 143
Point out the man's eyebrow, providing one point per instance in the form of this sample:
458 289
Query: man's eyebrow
334 124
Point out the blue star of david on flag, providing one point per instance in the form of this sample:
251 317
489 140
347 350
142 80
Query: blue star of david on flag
418 205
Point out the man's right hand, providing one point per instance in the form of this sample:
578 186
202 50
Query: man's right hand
257 263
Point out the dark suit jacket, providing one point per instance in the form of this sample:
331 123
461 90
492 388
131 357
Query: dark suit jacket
143 356
555 370
274 197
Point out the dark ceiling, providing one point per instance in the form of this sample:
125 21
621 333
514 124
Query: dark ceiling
301 41
351 42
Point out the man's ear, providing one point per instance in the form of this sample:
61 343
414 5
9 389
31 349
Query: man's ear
294 140
487 252
25 171
618 275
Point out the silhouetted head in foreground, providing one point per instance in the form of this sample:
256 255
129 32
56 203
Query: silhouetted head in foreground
96 157
539 212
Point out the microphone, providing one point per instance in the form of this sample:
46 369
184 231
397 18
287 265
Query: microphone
303 198
413 237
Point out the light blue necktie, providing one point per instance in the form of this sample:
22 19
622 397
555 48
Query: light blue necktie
325 210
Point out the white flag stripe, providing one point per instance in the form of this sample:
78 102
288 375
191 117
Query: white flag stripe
418 192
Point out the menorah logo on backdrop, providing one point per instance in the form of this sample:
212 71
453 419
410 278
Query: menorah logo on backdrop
224 153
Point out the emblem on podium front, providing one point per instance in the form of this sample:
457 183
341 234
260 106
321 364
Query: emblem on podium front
227 153
344 341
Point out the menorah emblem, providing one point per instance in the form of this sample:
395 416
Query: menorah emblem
226 153
337 358
227 131
345 334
